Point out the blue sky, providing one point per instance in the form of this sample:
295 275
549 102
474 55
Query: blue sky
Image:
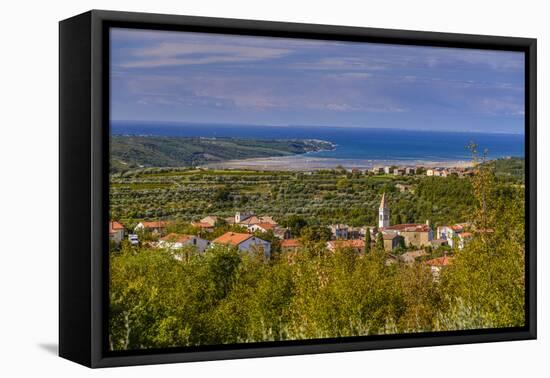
208 78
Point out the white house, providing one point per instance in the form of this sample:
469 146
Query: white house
454 233
445 233
463 238
242 216
437 264
244 242
262 227
410 170
156 227
278 231
116 232
178 241
246 219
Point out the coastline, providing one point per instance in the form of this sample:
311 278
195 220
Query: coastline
305 162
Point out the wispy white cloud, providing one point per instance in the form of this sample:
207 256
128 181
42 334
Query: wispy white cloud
349 76
508 106
495 60
340 64
175 54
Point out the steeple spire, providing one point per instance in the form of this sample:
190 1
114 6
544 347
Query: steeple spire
383 213
383 202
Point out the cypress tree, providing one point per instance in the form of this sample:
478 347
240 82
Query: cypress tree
380 242
367 240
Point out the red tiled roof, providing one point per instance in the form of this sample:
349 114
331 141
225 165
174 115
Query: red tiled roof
232 238
439 261
465 235
290 243
253 219
409 227
268 219
176 238
115 226
155 224
266 226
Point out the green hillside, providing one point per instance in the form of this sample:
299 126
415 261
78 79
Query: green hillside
129 152
511 169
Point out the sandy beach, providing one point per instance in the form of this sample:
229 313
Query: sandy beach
309 163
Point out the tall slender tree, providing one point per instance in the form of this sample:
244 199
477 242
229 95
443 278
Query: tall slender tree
367 240
379 242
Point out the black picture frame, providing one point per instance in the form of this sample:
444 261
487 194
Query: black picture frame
83 181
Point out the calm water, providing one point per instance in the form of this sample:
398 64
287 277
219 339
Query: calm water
352 143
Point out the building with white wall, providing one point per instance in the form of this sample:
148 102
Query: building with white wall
244 242
178 241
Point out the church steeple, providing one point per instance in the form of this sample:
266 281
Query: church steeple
383 202
383 213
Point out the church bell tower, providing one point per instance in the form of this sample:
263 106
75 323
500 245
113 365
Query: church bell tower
383 213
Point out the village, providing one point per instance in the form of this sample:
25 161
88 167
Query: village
403 243
421 170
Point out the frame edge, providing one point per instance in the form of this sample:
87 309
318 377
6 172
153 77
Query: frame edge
98 17
75 338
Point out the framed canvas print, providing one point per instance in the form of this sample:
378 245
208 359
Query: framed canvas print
234 188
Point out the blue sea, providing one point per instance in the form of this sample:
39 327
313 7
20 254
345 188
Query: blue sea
351 142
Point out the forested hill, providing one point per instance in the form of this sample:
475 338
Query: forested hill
510 169
129 152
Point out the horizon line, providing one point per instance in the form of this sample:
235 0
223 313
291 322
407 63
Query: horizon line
316 126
